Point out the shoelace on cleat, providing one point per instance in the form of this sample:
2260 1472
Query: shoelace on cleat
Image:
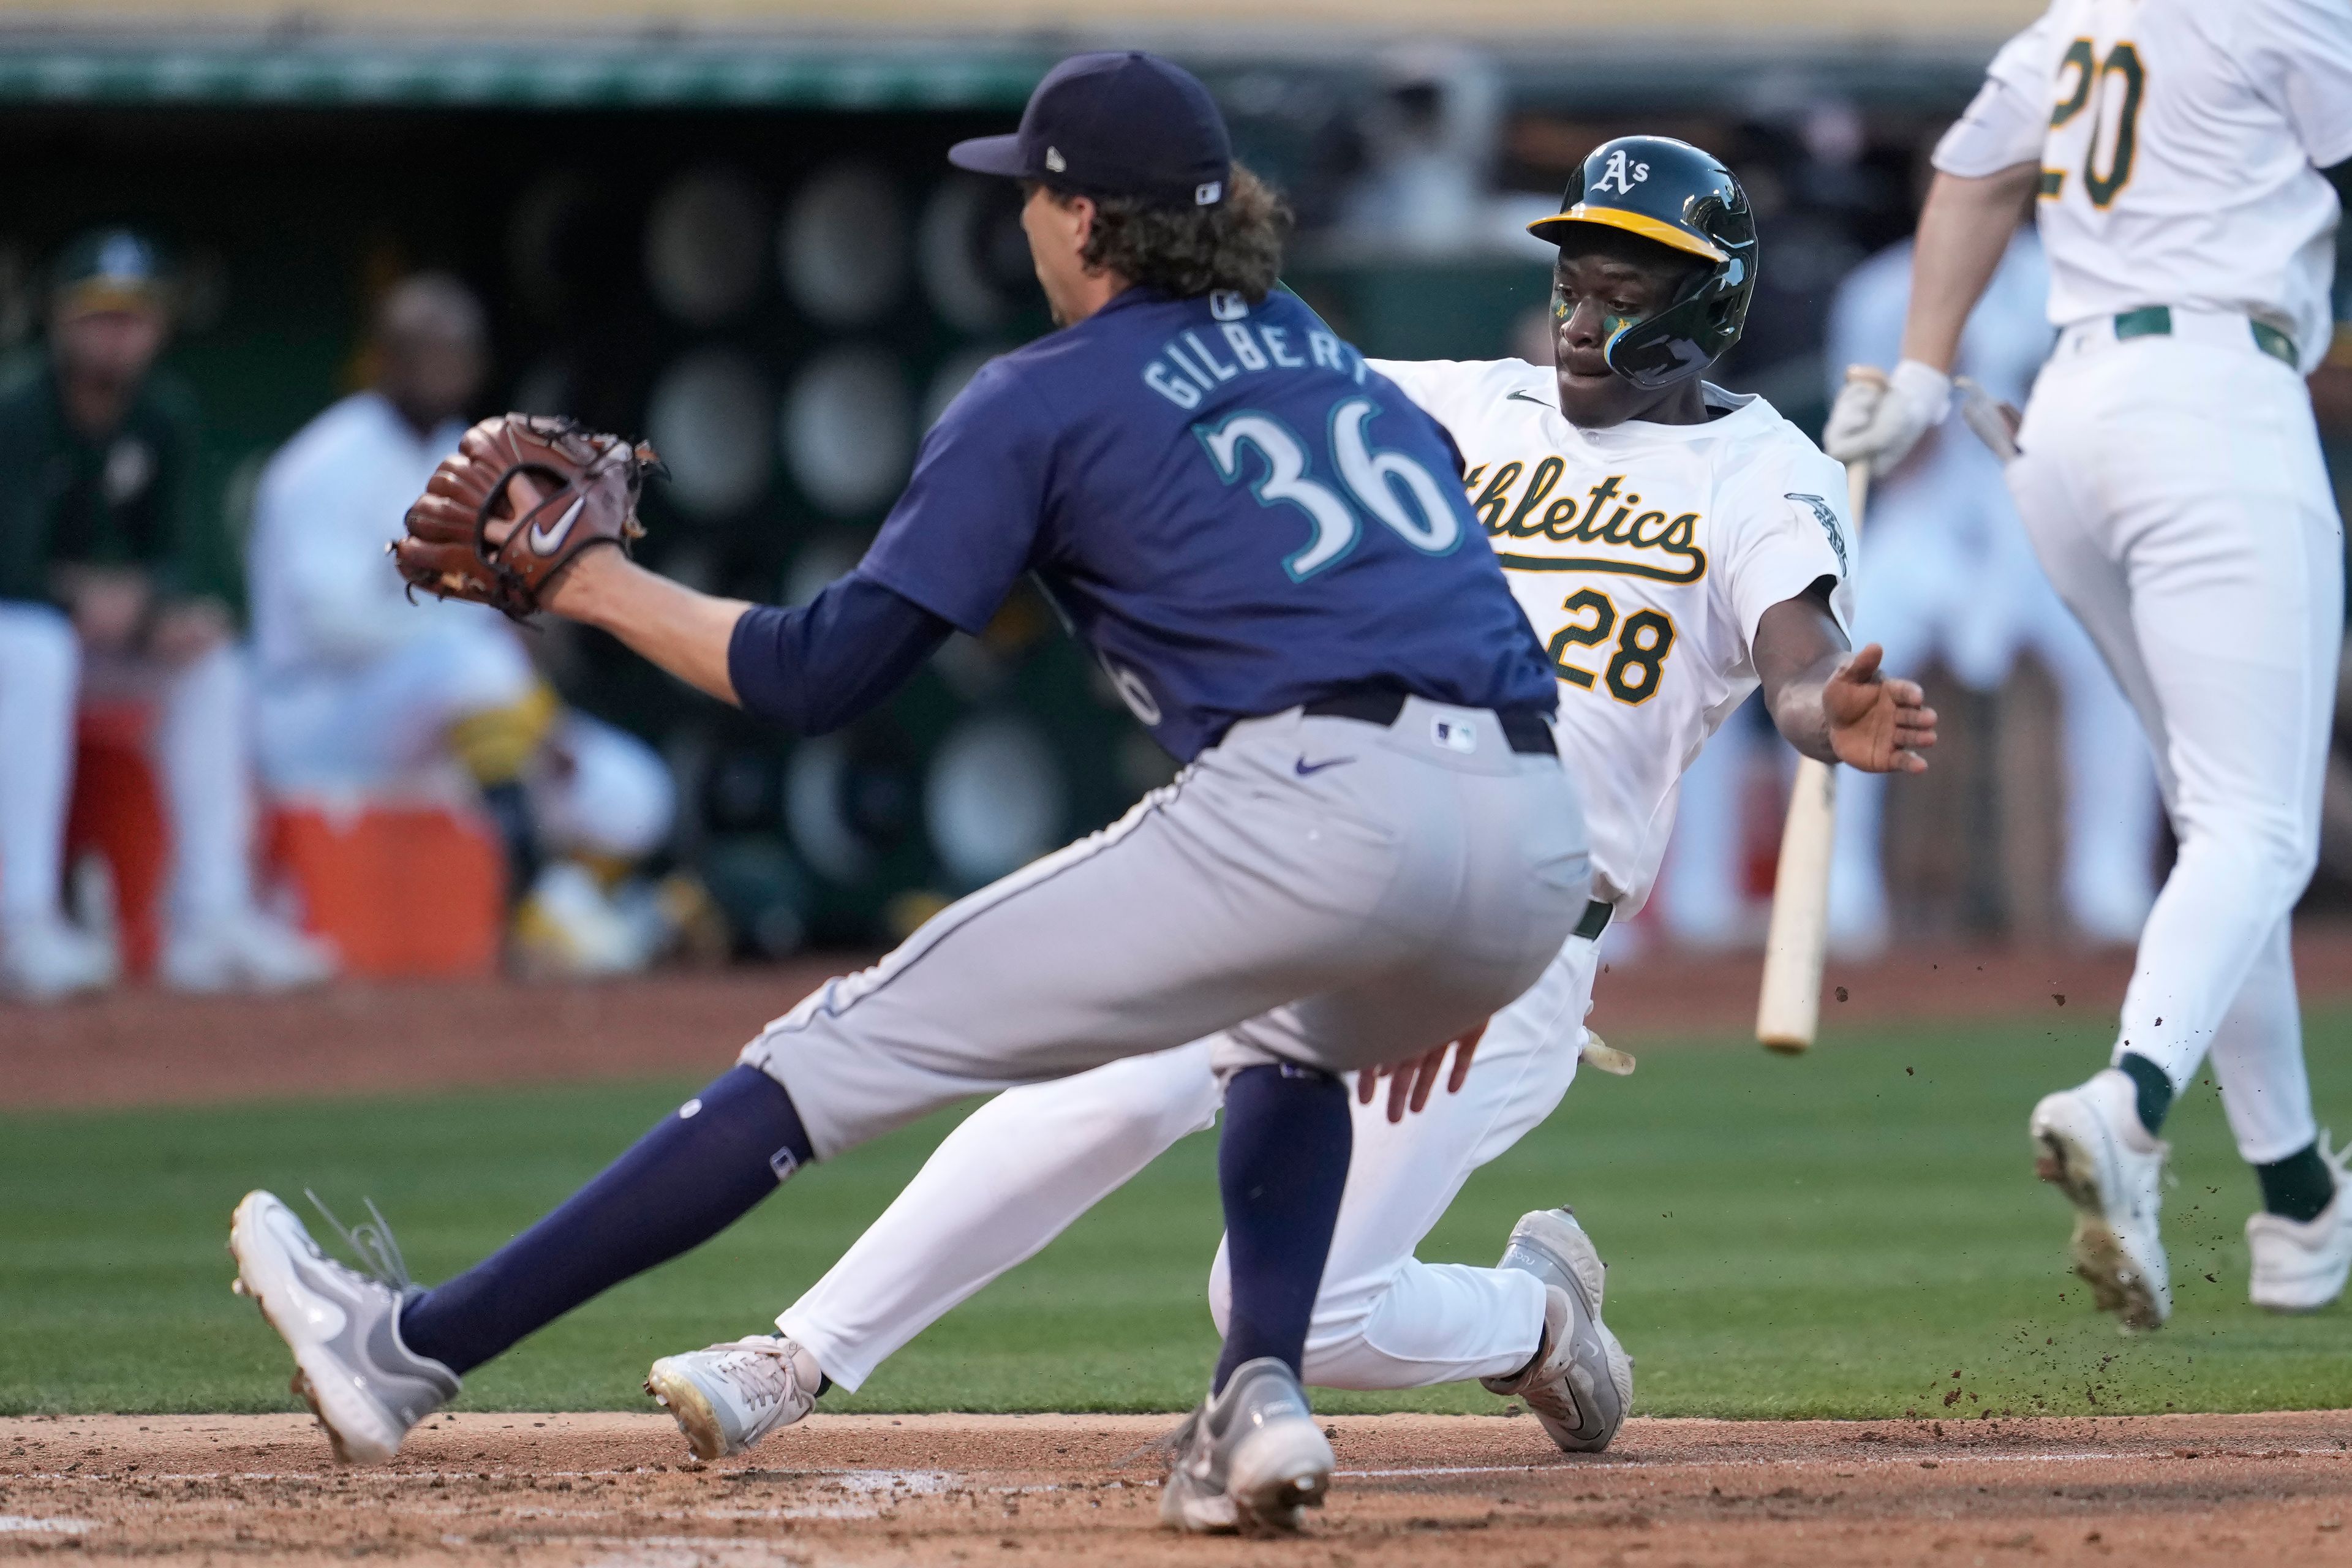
371 1242
766 1376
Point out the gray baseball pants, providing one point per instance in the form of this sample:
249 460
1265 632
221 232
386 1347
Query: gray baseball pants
1326 891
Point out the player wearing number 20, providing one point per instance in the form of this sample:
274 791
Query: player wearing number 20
2171 481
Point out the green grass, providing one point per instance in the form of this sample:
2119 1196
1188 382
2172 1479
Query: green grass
1832 1236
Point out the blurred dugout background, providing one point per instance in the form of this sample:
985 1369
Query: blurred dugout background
737 235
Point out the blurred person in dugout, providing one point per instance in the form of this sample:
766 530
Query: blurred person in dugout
366 693
101 594
1947 571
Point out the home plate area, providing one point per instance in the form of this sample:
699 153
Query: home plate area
615 1490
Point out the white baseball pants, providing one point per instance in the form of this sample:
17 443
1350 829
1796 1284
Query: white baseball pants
1025 1165
2174 491
368 726
201 750
41 673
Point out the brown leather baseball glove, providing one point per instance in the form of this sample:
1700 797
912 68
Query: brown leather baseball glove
465 540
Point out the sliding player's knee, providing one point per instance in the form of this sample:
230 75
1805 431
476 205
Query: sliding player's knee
1334 1334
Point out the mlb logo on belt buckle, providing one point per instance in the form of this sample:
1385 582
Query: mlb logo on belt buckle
1453 735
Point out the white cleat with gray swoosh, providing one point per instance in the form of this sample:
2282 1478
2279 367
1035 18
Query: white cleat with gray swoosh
366 1388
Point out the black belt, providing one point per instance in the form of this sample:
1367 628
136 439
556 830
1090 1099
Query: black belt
1526 730
1595 921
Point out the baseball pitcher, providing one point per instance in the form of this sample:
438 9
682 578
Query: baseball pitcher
2170 478
1371 847
1677 546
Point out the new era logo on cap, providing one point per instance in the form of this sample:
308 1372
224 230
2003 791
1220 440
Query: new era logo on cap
1125 124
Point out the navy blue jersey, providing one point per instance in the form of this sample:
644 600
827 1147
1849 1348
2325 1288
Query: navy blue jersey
1233 511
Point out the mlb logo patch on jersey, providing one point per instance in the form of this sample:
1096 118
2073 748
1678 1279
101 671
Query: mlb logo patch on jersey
1454 735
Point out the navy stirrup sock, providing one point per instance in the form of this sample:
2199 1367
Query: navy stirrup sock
692 1176
1282 1164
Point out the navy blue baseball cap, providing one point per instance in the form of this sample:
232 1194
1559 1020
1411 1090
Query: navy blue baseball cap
1127 124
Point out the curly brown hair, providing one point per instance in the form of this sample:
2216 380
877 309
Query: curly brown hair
1189 251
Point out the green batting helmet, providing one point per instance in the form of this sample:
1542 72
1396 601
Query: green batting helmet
1672 193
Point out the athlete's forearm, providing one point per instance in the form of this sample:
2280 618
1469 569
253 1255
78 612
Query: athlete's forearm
1963 230
684 632
1798 647
1799 713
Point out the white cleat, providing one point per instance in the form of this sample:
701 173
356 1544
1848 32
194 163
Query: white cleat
2300 1265
1580 1383
730 1396
365 1385
46 959
244 951
1249 1459
2088 1142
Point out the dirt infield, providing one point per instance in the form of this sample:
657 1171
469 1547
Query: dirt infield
611 1490
143 1046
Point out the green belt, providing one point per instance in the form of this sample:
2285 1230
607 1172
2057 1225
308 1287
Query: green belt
2155 322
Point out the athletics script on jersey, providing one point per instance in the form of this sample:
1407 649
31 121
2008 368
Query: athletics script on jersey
1516 501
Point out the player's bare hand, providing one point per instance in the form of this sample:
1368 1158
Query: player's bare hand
1878 418
1877 722
1410 1082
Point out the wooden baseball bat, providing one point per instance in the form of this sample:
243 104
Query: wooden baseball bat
1789 1003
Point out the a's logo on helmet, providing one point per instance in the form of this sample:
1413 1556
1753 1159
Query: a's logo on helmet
1625 176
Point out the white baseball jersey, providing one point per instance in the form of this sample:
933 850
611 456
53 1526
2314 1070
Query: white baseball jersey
1644 555
324 594
2179 142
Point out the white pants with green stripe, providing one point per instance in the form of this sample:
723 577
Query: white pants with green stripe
2174 491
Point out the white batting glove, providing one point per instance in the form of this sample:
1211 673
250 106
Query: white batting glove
1879 421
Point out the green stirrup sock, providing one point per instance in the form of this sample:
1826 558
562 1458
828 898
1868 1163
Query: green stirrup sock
2299 1186
2155 1090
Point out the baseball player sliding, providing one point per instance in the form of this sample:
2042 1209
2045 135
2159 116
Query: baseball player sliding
2170 479
1372 846
1675 545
